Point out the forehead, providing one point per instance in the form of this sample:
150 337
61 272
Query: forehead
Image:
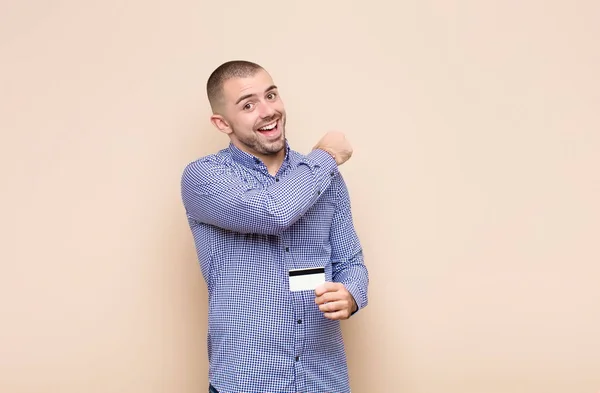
234 88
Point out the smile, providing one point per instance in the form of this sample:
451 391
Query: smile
268 127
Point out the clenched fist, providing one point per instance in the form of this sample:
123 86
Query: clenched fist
336 144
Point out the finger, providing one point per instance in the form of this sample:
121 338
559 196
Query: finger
330 297
333 306
327 287
337 315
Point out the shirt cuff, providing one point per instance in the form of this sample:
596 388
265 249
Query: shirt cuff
320 158
359 298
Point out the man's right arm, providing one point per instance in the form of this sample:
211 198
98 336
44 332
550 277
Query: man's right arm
213 194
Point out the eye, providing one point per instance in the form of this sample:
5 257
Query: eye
248 106
271 96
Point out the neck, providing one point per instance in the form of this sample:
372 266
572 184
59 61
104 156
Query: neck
273 161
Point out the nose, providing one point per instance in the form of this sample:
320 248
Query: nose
266 110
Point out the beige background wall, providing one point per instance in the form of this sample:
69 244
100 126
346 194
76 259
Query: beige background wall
475 184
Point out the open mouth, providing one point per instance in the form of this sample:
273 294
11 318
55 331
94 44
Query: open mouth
270 129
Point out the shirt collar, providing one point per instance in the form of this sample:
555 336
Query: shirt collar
250 161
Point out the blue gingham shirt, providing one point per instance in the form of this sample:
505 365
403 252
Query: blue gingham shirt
250 228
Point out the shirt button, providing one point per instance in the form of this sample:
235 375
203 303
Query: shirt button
299 321
297 358
287 249
332 174
318 192
276 179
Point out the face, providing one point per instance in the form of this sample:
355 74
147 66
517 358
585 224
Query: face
253 115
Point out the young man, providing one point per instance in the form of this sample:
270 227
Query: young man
276 244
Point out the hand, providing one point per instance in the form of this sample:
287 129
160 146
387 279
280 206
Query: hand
335 301
335 143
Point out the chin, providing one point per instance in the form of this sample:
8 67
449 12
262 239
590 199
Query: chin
275 147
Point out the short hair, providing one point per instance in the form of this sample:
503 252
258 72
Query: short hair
228 70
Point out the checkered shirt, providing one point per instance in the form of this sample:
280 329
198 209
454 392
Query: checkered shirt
250 228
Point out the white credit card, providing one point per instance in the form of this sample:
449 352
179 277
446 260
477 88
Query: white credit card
306 279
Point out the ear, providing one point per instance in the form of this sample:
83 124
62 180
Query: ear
221 124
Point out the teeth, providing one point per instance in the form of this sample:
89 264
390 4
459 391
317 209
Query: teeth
269 127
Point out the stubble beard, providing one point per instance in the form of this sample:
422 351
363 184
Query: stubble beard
260 146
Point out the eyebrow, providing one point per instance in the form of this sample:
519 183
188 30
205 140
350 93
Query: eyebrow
242 98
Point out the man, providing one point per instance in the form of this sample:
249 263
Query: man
261 215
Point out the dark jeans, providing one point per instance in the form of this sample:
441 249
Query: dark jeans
211 389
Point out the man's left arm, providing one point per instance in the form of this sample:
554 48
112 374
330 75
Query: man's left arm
348 292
